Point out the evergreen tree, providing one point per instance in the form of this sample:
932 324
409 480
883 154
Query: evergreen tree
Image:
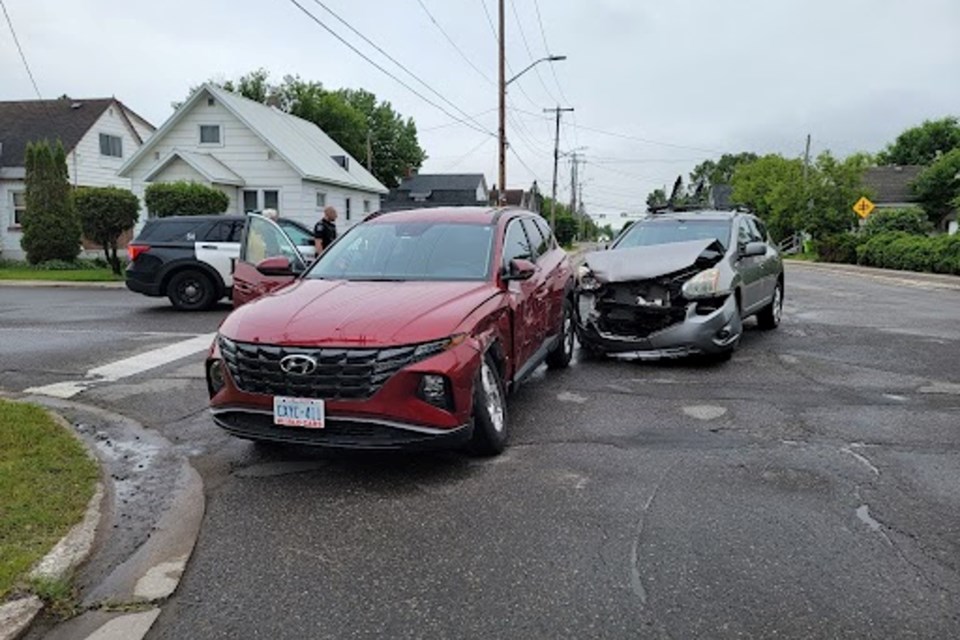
51 228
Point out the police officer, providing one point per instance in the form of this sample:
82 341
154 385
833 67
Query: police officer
325 231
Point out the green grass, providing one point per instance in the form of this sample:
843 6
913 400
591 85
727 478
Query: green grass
46 481
69 275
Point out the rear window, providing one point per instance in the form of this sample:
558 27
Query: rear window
173 231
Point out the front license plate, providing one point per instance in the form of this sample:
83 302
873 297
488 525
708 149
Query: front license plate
298 412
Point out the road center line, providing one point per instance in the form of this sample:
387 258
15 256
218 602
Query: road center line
127 367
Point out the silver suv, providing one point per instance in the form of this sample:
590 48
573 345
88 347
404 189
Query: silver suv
680 283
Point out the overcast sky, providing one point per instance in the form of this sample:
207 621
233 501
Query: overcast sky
683 80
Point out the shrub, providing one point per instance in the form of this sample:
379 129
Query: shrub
105 213
839 247
184 199
912 220
900 250
51 230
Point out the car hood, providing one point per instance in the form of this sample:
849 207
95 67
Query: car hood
642 263
341 312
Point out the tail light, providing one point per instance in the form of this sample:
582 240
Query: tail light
134 250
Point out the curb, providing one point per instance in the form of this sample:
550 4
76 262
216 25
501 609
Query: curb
64 284
69 553
909 278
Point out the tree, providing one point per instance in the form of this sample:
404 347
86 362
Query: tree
772 187
656 198
924 143
105 214
352 117
912 220
712 173
184 198
938 187
51 230
833 186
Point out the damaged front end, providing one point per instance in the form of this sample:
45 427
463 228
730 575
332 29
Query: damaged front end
662 301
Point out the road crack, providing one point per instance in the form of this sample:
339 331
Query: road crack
636 580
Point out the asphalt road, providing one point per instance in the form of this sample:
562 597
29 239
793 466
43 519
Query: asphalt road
810 488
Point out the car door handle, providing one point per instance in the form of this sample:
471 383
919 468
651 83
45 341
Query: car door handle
209 246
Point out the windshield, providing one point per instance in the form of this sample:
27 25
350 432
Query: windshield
409 251
652 232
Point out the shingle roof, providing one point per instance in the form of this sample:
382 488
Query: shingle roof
892 184
26 121
428 182
305 147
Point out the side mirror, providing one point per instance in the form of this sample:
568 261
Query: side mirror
753 249
519 269
275 266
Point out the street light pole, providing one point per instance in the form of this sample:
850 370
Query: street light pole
556 159
501 195
503 104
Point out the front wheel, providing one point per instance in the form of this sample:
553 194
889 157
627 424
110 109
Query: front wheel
769 316
489 411
559 357
191 290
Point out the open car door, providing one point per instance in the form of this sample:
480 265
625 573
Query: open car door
268 260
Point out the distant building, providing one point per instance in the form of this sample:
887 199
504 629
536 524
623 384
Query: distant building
531 199
892 185
97 134
259 156
424 190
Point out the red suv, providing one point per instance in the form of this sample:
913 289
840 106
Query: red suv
407 332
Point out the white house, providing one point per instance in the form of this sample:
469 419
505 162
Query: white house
98 135
259 156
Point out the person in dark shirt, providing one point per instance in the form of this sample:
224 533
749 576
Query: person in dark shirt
325 231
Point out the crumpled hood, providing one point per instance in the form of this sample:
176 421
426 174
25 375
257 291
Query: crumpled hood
340 312
642 263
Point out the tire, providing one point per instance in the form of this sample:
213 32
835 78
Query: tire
769 317
191 290
489 411
559 357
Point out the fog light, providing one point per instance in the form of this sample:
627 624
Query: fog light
215 378
435 390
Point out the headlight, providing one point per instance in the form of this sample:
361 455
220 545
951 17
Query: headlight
429 349
586 279
705 284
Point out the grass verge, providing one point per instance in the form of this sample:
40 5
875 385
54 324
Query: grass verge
47 479
72 275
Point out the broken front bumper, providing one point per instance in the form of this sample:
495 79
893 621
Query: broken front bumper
696 334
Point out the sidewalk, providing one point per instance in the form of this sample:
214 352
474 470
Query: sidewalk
62 283
911 278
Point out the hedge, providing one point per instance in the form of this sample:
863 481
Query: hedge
911 220
908 252
841 247
184 199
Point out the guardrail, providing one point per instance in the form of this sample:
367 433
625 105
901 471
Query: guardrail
793 244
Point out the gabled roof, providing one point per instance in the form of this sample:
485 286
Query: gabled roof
203 163
24 121
429 182
303 145
892 184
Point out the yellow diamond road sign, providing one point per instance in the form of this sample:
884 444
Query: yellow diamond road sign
864 207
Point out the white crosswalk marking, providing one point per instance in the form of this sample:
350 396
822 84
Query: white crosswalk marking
127 367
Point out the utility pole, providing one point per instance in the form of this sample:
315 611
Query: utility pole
806 160
369 153
556 159
503 113
573 184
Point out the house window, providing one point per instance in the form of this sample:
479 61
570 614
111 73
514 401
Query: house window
249 201
111 145
19 207
256 200
321 200
271 199
366 206
209 134
346 208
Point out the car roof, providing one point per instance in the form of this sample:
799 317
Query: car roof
469 215
206 218
703 214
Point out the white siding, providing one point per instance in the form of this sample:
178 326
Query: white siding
241 150
144 129
336 197
9 237
85 164
179 170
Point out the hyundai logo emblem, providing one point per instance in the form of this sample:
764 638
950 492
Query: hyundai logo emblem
299 364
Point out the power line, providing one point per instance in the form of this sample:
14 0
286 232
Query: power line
476 127
23 57
453 124
546 46
526 45
524 164
626 136
472 151
454 44
496 38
